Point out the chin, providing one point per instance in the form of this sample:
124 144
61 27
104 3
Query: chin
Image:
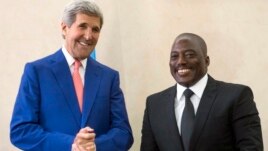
185 82
182 84
84 55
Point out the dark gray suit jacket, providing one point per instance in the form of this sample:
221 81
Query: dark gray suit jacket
227 120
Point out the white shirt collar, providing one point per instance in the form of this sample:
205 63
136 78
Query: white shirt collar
70 59
198 88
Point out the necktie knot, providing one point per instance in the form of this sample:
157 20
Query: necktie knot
188 93
77 64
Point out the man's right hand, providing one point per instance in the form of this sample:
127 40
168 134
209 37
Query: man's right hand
84 140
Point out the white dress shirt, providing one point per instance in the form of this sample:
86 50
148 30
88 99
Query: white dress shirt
198 90
70 60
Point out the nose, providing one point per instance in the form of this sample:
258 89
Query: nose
88 34
181 60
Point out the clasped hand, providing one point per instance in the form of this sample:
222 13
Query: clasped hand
84 140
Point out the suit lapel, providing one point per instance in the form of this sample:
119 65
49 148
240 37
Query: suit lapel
91 86
175 138
63 76
204 108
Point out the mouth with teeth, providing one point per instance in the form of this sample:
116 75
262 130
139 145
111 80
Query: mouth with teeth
183 72
83 43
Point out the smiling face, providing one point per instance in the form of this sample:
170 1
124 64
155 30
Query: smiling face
82 36
188 62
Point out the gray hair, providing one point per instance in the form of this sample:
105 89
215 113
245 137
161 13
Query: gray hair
87 7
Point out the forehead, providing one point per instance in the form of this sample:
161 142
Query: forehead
181 44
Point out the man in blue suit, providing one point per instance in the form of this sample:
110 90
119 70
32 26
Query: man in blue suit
46 114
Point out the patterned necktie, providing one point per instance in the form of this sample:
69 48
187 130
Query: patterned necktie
78 85
187 121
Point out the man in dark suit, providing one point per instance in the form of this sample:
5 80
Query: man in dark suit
218 116
54 113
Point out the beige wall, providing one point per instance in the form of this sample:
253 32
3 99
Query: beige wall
136 40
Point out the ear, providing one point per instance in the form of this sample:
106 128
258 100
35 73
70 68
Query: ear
207 61
63 29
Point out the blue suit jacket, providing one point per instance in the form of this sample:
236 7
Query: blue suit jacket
46 114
